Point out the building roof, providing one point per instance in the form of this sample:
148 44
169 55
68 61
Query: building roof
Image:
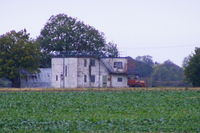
81 54
78 54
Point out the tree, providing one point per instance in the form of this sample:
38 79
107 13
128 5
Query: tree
63 34
168 74
186 61
146 59
144 65
111 50
192 69
17 54
138 68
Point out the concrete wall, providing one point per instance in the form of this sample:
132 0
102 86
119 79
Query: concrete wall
57 71
39 80
83 71
104 74
76 73
98 71
64 72
111 61
118 84
71 76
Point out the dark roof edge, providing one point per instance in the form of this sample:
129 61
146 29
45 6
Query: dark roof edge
88 57
113 73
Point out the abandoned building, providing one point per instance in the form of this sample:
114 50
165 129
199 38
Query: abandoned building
89 72
80 72
41 79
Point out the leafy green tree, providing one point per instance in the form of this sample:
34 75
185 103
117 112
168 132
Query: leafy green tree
138 68
18 54
63 34
144 65
192 69
111 50
168 74
186 61
146 59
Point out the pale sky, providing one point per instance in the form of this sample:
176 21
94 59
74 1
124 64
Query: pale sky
164 29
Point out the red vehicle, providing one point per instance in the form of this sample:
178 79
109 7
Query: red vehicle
136 82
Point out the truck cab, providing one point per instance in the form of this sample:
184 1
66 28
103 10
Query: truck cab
135 81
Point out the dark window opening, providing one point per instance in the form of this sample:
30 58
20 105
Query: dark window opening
33 76
85 63
92 78
92 62
85 78
119 79
56 77
61 77
118 65
65 71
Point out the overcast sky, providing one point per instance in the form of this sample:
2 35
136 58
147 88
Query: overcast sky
164 29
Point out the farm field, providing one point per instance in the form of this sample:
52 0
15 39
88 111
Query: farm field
96 89
101 111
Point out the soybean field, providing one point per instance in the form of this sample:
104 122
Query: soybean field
101 111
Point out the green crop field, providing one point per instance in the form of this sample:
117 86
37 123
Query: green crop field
100 111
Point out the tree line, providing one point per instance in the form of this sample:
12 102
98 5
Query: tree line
164 74
20 54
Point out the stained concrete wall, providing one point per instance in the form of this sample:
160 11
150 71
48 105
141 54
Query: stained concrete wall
39 80
98 70
64 72
104 73
111 61
83 70
71 73
119 84
57 71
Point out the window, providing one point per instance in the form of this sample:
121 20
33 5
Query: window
61 77
85 63
65 71
92 62
118 65
56 77
85 78
119 79
34 77
92 78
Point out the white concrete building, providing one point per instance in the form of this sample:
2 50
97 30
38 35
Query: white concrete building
86 72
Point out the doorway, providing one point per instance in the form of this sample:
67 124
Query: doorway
104 80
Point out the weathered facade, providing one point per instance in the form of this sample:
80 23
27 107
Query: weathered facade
39 80
86 72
